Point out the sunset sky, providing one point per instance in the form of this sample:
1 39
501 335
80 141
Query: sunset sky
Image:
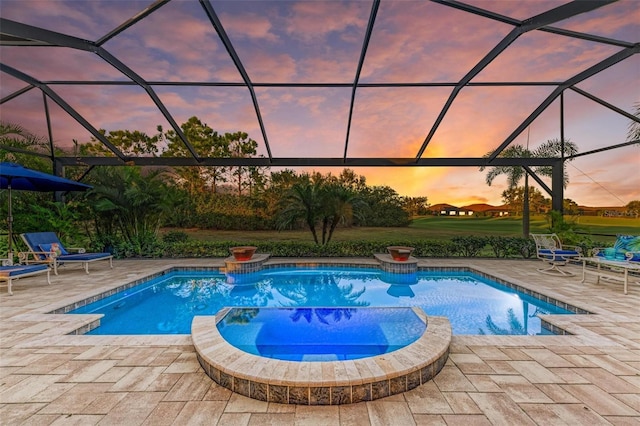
320 42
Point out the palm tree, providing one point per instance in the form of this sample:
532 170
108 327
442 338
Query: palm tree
341 205
551 148
24 143
302 202
319 201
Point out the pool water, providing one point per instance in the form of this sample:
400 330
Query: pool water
320 334
473 304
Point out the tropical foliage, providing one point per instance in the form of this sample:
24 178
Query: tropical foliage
128 205
18 145
36 211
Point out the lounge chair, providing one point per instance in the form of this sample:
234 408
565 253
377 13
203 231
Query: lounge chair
45 247
550 250
13 272
626 247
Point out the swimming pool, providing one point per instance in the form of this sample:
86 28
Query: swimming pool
473 303
320 334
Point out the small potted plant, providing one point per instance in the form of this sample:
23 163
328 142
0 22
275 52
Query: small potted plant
243 253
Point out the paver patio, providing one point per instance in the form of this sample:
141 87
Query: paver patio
48 377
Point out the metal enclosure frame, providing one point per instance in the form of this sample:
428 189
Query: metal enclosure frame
18 34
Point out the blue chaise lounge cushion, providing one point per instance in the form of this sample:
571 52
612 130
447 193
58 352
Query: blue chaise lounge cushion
17 270
79 257
42 242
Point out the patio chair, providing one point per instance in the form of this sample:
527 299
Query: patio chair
45 247
9 273
550 250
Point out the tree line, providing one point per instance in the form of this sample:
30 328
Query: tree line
132 203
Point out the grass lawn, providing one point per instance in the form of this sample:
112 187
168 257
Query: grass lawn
432 227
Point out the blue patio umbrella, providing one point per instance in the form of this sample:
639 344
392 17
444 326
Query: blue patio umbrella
14 176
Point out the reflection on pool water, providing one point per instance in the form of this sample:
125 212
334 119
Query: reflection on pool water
473 303
320 334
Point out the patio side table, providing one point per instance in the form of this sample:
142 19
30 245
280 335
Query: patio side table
624 265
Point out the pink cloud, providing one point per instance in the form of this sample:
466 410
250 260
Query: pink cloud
427 42
605 180
320 42
52 63
393 122
265 67
86 20
313 20
26 110
335 68
184 53
305 120
470 131
288 43
544 57
617 20
248 25
10 85
517 9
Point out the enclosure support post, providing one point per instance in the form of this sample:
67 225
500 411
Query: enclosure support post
557 186
58 170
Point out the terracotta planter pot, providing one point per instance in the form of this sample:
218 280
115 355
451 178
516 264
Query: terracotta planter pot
243 253
400 253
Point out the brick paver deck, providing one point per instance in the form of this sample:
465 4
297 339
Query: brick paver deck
49 377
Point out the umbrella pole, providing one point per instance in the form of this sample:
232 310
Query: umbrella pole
10 226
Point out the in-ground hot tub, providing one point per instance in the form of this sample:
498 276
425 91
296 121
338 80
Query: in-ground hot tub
320 334
339 367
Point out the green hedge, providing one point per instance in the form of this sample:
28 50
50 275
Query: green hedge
472 246
178 245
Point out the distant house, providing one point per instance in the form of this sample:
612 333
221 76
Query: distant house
449 210
482 209
488 209
444 209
